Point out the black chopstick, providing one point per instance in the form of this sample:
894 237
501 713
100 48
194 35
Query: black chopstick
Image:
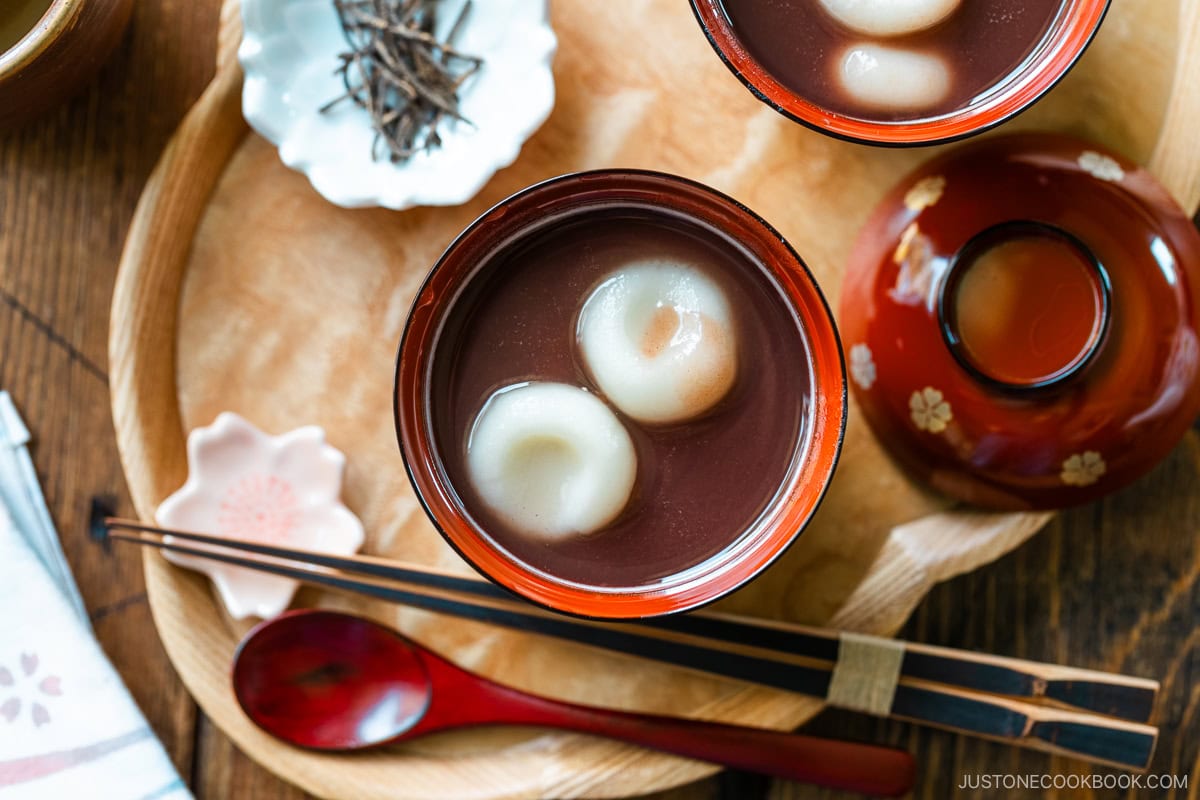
1074 689
1115 742
360 565
792 677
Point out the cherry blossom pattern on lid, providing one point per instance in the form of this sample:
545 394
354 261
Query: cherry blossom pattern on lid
862 366
1100 166
929 410
1083 469
925 193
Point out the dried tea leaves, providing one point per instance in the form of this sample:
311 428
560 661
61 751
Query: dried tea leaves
397 69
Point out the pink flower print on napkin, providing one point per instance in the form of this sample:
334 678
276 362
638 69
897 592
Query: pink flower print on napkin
28 689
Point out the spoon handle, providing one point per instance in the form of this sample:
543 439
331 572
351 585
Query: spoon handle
850 766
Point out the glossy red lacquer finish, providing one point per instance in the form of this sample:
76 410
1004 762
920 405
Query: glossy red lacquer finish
1065 43
1114 412
331 681
750 551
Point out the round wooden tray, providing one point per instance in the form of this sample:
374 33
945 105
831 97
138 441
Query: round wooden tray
241 289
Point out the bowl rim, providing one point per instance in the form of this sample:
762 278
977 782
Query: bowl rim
53 22
1078 23
790 511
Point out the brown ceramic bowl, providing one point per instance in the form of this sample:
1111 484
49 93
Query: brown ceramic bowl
1025 382
66 46
556 204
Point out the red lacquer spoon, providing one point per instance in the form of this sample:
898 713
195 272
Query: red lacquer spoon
330 681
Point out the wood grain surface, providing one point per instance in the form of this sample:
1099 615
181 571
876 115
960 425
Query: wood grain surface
1113 586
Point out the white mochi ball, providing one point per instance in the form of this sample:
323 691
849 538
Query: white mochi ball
890 17
550 459
658 338
885 78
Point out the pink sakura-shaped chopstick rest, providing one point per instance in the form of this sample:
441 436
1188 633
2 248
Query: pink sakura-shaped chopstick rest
279 490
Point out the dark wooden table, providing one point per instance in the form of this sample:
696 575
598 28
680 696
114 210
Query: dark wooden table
1114 586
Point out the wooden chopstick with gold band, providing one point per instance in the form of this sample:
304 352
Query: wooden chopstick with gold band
754 654
1109 694
1066 687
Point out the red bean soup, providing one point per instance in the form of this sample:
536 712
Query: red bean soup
967 54
700 482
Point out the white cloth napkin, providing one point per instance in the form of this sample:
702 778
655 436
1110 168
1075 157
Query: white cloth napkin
68 727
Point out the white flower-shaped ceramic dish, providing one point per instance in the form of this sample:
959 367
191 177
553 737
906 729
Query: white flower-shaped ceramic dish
289 54
279 490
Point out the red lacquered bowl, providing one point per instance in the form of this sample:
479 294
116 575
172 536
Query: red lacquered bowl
1037 383
527 212
1070 35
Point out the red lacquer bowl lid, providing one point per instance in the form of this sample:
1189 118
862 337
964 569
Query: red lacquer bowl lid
1020 322
1074 28
549 203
